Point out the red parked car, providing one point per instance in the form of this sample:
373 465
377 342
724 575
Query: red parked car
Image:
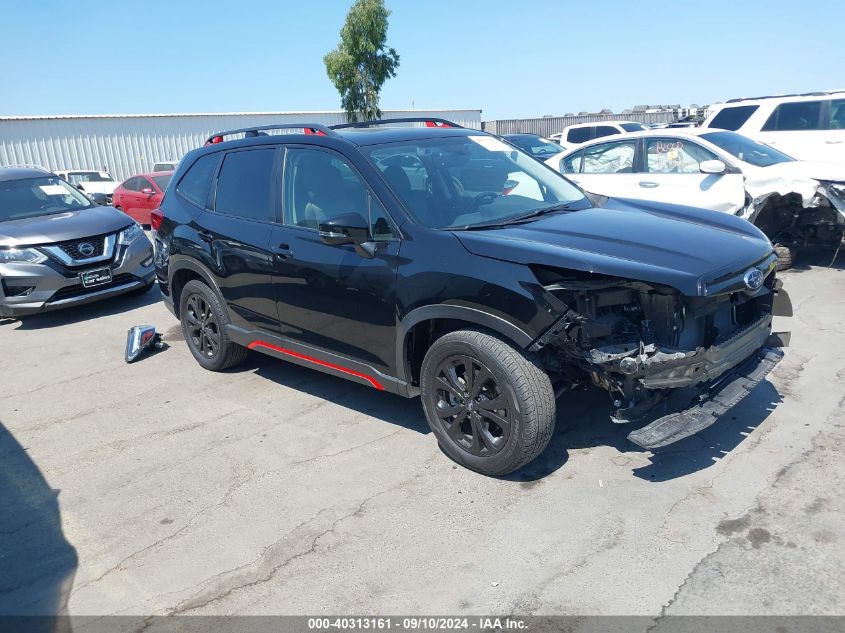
140 194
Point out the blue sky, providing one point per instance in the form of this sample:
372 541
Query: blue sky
514 58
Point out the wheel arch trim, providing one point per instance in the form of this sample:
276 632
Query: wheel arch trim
178 264
471 315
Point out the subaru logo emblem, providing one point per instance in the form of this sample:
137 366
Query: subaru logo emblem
753 278
87 249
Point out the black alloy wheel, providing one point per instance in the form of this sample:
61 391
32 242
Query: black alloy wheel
202 328
474 410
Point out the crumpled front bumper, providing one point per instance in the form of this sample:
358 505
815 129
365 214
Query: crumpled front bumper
732 370
708 403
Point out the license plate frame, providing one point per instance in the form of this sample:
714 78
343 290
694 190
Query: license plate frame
94 278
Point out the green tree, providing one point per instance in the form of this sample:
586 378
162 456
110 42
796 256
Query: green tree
360 64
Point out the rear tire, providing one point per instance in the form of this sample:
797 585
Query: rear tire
204 322
786 256
491 407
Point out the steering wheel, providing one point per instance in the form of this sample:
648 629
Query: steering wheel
480 198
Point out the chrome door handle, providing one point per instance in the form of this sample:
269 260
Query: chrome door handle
833 142
649 184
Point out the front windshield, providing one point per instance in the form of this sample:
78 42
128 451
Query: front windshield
633 127
747 150
162 181
31 197
460 181
78 177
535 145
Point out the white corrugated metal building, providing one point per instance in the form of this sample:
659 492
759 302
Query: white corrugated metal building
127 144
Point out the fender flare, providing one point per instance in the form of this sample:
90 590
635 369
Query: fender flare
476 316
185 263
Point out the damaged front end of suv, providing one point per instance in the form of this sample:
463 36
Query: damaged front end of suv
677 361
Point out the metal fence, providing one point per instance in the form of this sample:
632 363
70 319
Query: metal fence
546 126
125 145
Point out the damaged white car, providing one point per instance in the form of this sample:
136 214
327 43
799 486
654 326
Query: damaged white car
797 204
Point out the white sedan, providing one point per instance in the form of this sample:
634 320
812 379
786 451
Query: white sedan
795 203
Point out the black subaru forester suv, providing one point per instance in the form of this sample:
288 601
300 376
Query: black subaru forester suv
433 260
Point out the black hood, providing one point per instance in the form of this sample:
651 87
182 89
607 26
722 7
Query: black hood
60 227
681 247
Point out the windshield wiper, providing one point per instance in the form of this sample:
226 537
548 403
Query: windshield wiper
520 219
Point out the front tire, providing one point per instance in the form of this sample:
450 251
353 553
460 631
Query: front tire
786 256
491 407
204 327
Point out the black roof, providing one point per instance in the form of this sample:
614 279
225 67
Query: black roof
19 173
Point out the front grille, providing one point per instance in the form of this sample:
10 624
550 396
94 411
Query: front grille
72 248
78 290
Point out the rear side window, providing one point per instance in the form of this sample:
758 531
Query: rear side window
245 185
133 184
801 115
609 158
578 135
733 118
605 130
633 127
196 183
837 115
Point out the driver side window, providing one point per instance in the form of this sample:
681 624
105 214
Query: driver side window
319 186
675 156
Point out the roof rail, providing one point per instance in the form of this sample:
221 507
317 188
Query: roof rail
429 122
308 128
824 93
27 166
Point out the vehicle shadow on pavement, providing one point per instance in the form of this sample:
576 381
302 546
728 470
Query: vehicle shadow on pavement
388 407
38 564
584 422
104 308
807 261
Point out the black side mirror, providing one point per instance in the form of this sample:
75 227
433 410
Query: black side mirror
349 228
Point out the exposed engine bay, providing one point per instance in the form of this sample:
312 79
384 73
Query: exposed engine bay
790 220
641 342
804 218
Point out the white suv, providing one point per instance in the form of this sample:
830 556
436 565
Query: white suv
583 132
807 127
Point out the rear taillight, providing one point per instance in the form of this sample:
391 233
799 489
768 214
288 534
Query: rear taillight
156 216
